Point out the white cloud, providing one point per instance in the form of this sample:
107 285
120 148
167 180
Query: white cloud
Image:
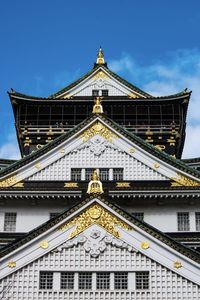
177 71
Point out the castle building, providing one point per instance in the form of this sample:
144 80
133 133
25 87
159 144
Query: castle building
101 206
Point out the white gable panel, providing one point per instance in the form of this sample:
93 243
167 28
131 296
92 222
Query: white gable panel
94 154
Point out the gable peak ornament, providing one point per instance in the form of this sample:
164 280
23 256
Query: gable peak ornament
95 185
97 108
100 57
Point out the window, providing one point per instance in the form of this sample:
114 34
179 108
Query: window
183 221
104 174
197 218
88 174
142 280
85 281
103 281
95 93
67 280
10 222
75 174
53 215
118 174
104 93
46 280
139 215
121 280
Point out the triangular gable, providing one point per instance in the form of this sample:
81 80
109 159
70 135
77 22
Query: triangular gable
97 221
100 78
154 164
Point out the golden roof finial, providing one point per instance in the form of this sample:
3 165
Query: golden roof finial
97 108
100 57
95 185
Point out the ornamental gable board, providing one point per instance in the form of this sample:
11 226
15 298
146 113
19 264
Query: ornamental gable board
98 237
98 143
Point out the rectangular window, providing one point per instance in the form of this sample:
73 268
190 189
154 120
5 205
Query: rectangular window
95 93
103 281
183 221
10 222
53 215
104 174
118 174
142 280
75 174
46 280
139 215
104 93
197 218
88 174
85 281
67 280
121 280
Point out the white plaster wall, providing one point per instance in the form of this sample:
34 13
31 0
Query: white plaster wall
164 283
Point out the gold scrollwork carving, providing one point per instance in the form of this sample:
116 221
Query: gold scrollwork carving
9 181
123 184
12 264
160 147
177 264
98 128
71 184
96 214
133 96
100 75
180 180
156 165
44 244
145 245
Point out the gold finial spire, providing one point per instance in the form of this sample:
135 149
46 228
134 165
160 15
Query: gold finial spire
97 108
100 57
95 185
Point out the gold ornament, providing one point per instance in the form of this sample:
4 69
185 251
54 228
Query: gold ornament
123 184
160 147
12 264
132 150
185 181
19 185
95 185
100 75
9 181
98 128
71 184
177 264
156 165
38 165
97 108
145 245
133 96
44 244
95 214
62 151
100 57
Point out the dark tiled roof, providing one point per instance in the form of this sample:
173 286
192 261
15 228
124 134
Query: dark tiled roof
137 140
144 226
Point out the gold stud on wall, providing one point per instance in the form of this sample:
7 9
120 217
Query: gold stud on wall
44 244
177 264
145 245
12 264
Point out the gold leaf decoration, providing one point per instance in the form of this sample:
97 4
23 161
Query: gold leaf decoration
177 264
123 184
96 214
71 184
145 245
12 264
180 180
44 244
98 128
156 165
19 185
100 75
9 181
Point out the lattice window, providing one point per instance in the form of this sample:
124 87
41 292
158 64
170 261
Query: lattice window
103 281
104 93
53 215
138 215
88 174
121 280
142 280
46 280
67 280
10 222
183 221
85 281
104 174
95 93
117 174
75 174
197 219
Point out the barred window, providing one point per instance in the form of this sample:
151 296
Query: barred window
10 222
197 218
104 174
121 280
138 215
67 280
183 221
103 281
75 174
142 280
95 92
118 174
85 281
88 174
46 280
104 93
53 215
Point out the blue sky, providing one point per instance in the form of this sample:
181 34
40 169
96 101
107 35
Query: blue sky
45 44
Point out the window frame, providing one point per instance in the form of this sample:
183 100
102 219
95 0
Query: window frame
183 224
10 225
